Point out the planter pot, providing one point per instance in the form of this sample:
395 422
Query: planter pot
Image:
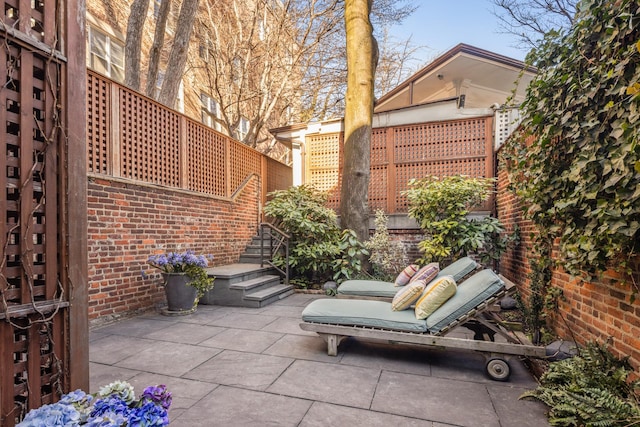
181 297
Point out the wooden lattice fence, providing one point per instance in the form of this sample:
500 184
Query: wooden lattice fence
131 136
43 232
401 153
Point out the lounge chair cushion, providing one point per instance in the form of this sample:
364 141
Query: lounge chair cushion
351 312
470 293
427 273
406 274
407 295
459 269
436 294
380 289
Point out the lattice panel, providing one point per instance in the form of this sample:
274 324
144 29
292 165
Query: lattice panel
507 120
206 160
98 133
279 176
440 140
36 377
29 176
243 161
472 167
35 18
150 140
379 147
378 185
324 159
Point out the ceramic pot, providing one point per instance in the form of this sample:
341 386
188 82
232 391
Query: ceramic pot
180 296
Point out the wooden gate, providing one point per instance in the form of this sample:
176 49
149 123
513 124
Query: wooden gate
43 305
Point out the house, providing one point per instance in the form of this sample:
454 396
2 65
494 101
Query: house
447 118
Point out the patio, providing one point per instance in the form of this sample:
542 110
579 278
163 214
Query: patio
231 366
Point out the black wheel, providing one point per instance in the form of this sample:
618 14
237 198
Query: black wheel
498 369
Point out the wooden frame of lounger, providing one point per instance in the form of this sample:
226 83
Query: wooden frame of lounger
484 314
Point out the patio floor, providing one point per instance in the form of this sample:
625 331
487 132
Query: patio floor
230 366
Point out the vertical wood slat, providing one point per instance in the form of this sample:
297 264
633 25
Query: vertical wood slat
33 366
24 23
112 116
183 141
50 31
26 178
489 160
391 170
227 168
6 375
50 189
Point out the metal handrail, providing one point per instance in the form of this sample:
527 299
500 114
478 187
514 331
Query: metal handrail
276 242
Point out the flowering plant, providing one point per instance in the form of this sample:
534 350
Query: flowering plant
187 262
115 405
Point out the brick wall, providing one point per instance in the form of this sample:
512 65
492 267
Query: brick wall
130 221
597 311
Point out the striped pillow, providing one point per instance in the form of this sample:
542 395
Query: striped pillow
406 275
408 295
427 273
436 294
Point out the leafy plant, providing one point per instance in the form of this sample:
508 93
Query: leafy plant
576 162
186 262
591 389
441 207
319 250
387 257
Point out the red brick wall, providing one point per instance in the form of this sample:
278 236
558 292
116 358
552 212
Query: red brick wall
128 222
597 311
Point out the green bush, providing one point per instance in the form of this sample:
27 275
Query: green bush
592 389
441 205
319 250
388 257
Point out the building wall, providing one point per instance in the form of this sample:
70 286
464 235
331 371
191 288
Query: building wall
600 310
130 221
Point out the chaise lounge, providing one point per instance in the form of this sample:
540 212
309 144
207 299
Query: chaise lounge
471 306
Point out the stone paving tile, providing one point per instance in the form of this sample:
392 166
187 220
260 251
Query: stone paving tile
240 369
186 333
185 393
436 399
173 359
397 357
299 299
101 375
327 382
324 414
243 340
287 325
283 311
244 321
229 406
136 327
111 349
302 347
204 315
513 411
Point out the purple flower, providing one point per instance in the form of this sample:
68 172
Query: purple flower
174 262
158 395
111 404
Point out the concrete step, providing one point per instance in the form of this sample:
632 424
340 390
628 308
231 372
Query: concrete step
256 284
267 296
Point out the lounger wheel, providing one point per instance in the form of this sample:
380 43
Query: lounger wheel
498 369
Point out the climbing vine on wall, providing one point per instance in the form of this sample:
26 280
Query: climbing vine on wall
576 161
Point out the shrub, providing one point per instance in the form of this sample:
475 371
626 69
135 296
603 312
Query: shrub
387 257
592 389
319 250
441 205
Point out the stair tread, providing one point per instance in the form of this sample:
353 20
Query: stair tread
248 284
265 293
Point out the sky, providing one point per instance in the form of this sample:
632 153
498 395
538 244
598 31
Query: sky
439 25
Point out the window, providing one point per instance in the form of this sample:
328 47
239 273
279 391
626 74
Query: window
106 55
243 128
204 46
210 111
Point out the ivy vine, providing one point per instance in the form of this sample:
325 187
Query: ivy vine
576 160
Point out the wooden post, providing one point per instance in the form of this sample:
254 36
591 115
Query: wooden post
73 194
392 188
114 138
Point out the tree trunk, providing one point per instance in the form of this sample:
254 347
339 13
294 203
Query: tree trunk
361 63
178 55
132 47
156 48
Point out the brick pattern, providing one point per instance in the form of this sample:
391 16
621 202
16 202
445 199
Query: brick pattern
597 311
128 222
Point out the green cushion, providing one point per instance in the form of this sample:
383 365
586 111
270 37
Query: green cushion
459 269
368 288
471 293
350 312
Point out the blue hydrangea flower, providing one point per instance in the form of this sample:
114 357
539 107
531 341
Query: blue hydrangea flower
110 405
174 262
108 419
148 415
57 414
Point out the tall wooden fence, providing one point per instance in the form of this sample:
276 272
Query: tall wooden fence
401 153
43 337
131 136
